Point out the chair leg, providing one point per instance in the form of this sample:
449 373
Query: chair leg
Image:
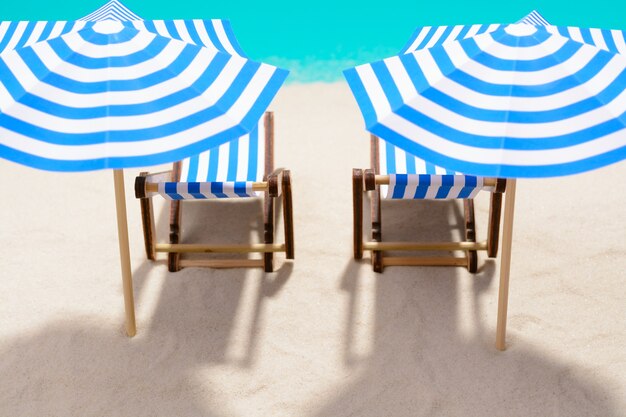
173 258
377 256
470 234
288 215
147 221
493 234
268 231
357 212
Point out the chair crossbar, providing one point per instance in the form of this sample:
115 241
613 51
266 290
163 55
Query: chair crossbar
221 263
426 261
424 246
198 248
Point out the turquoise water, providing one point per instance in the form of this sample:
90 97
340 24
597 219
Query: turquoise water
317 39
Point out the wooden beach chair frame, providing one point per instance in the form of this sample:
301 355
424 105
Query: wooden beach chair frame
370 180
276 184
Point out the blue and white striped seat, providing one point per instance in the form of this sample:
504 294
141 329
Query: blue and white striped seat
226 171
410 177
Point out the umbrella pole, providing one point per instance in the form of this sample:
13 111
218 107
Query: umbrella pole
122 232
505 263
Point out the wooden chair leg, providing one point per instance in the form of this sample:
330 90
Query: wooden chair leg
377 256
493 234
173 258
288 215
268 231
147 221
470 234
357 212
370 185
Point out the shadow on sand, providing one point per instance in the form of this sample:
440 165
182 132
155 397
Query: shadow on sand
421 359
192 326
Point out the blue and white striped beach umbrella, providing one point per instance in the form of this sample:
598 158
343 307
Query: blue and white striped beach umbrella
115 94
514 101
114 91
517 101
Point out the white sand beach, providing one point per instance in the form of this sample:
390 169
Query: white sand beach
324 335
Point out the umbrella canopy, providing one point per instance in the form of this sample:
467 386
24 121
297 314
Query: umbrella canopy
114 91
113 10
522 100
429 36
518 101
116 94
215 33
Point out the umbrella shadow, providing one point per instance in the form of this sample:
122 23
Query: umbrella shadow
416 343
188 322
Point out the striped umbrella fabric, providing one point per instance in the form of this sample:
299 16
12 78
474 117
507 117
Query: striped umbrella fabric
226 171
520 101
611 40
430 36
411 177
534 18
215 34
112 96
14 35
113 10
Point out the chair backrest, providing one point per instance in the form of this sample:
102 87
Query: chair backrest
395 160
240 160
411 177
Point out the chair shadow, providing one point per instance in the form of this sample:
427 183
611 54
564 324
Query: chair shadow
427 352
200 317
230 221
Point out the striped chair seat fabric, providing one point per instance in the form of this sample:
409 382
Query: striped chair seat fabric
226 171
410 177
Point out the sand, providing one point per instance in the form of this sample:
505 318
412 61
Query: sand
324 335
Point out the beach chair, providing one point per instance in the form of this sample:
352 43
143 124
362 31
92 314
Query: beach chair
399 175
241 168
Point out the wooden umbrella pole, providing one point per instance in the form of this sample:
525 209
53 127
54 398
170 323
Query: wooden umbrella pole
122 232
505 263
